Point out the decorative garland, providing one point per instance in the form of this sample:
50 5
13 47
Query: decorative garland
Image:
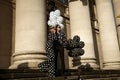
57 37
73 45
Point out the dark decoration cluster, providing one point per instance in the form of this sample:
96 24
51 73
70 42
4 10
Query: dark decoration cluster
75 47
86 67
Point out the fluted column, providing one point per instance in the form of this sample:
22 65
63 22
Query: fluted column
108 34
30 33
80 25
116 4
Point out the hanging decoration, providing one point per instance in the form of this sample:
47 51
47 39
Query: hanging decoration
57 35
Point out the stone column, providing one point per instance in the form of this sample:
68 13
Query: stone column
116 4
30 34
108 34
80 25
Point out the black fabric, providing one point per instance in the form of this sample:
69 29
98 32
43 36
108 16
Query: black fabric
53 47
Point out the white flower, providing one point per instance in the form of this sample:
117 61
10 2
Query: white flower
51 13
61 25
57 12
49 23
55 19
54 23
52 18
59 19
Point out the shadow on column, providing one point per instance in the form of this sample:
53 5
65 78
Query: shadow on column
85 67
23 66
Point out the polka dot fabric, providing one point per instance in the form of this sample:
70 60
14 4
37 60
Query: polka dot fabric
73 45
49 64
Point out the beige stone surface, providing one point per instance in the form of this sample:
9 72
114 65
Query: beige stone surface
30 25
30 33
116 4
108 34
80 25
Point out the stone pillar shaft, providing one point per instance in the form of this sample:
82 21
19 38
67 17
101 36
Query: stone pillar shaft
30 33
116 4
80 25
108 34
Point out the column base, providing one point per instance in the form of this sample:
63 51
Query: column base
27 60
25 65
111 66
91 62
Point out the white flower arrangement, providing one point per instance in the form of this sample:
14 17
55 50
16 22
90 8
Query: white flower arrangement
55 19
